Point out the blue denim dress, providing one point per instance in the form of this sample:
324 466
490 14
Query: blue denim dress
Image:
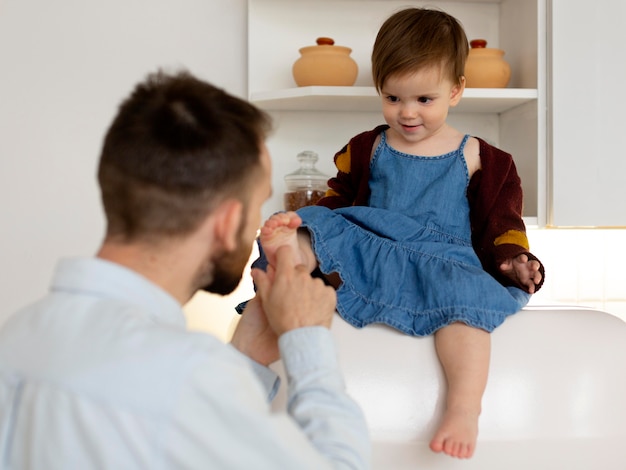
406 260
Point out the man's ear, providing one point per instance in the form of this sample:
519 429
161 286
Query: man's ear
457 92
227 219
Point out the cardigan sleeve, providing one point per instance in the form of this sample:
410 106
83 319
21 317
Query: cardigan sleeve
496 201
342 191
350 186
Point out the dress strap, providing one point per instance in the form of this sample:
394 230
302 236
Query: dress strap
383 138
463 142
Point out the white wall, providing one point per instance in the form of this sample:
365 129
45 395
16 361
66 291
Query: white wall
583 267
64 67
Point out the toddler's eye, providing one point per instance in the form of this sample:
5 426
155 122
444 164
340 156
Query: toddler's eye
423 99
392 99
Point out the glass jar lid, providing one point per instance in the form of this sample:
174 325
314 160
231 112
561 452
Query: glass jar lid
307 176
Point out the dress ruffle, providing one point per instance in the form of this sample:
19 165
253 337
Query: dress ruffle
411 277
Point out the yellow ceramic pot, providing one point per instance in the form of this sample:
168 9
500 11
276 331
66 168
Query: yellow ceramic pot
486 67
325 65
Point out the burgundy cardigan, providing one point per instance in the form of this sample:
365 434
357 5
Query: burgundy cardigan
494 194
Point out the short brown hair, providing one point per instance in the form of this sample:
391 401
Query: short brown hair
177 147
415 38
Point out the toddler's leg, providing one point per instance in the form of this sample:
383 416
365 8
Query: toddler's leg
282 229
464 353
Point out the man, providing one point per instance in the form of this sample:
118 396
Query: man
101 373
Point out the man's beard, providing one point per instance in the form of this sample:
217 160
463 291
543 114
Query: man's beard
227 267
228 270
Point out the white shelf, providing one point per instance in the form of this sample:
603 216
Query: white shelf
360 98
321 118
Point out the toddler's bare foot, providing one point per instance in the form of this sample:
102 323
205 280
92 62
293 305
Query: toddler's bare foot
279 230
457 434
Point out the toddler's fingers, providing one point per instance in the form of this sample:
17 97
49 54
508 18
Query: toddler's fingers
506 265
522 259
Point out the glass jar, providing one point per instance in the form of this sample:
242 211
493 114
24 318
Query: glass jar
306 185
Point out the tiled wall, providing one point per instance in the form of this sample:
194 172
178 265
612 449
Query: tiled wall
583 267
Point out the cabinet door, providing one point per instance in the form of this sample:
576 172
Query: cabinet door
588 113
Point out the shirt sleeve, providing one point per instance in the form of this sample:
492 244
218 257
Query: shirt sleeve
316 397
222 418
268 378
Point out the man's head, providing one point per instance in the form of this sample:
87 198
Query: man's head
177 147
178 151
414 39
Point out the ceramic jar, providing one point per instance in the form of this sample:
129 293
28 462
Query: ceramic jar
325 64
486 67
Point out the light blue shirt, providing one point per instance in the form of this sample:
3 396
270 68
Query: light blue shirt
102 373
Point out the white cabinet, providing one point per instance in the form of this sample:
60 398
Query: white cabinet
588 141
324 118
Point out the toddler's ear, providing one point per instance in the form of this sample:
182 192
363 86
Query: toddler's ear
457 92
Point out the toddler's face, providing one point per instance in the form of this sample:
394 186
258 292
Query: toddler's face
415 105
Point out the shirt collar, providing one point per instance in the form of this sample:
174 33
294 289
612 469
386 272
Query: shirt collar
105 279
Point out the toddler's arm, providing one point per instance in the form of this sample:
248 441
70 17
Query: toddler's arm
349 187
498 230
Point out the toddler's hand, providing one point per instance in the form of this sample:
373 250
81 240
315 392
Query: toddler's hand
523 271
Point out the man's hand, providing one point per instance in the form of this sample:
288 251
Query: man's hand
253 335
291 298
523 271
